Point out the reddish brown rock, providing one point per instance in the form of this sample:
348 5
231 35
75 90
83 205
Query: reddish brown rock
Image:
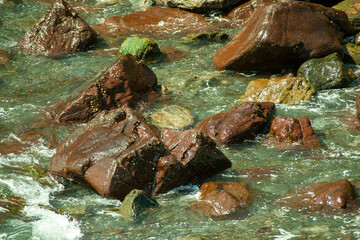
335 196
123 83
238 124
155 22
61 31
292 133
241 13
4 58
196 151
222 199
284 35
114 153
12 146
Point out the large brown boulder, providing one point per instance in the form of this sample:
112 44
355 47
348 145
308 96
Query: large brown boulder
123 83
292 133
283 90
222 199
61 31
114 153
330 197
284 35
155 22
193 156
238 124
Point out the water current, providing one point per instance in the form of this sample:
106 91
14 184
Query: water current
52 211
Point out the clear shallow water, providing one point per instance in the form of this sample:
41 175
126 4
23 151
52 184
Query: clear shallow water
53 211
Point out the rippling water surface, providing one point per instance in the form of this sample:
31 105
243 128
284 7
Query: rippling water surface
47 210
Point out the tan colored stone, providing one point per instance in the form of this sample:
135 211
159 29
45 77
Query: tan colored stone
285 90
172 116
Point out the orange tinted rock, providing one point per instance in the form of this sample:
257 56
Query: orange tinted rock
238 124
292 133
222 199
274 38
323 196
155 22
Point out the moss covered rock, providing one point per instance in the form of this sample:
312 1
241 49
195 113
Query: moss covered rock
143 48
326 73
287 90
172 116
206 36
354 52
135 203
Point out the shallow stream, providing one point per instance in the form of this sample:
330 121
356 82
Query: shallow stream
51 211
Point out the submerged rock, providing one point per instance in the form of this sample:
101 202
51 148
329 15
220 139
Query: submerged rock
115 153
142 48
155 22
273 38
292 133
330 197
4 59
238 124
222 199
61 31
326 73
285 90
354 52
11 206
123 83
199 5
206 36
172 116
135 203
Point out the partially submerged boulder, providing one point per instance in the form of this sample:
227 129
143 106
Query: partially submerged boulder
123 83
330 197
199 5
114 153
326 73
135 203
61 31
173 116
142 48
283 90
155 22
292 133
238 124
222 199
273 38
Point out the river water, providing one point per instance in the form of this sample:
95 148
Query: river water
48 210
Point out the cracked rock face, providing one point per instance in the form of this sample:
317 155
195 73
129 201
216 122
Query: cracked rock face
123 83
114 153
284 35
61 31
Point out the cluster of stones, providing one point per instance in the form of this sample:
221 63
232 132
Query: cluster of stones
118 153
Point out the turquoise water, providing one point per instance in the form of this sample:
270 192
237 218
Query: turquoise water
53 211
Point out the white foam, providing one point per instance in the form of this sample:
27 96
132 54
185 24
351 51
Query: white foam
52 225
284 235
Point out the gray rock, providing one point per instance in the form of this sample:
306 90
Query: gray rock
135 203
326 73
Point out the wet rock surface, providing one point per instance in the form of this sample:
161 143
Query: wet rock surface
238 124
199 5
61 31
222 199
292 133
326 73
123 83
114 153
155 22
357 104
135 203
330 197
273 38
354 52
173 116
142 48
283 90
